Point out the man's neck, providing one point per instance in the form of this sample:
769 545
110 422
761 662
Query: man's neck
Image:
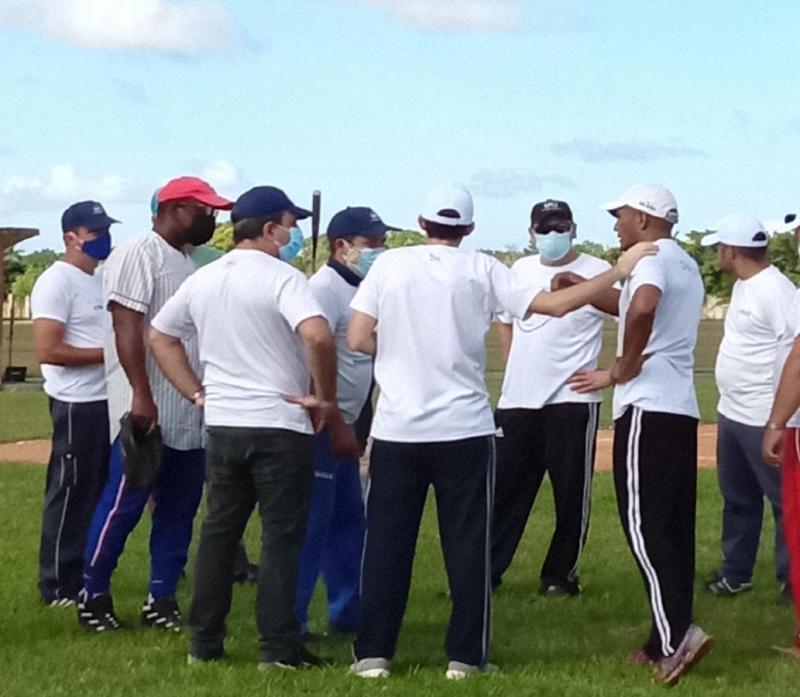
444 242
171 237
78 259
751 269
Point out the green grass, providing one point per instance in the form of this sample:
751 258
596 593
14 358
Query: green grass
544 647
24 416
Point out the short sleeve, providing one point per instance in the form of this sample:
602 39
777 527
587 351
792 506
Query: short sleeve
509 297
367 296
296 301
795 317
780 310
50 298
648 272
329 302
174 318
130 276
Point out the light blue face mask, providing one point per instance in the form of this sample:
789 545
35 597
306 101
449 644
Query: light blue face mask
553 246
362 260
290 250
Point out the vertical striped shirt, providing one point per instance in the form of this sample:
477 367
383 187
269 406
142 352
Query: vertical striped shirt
142 274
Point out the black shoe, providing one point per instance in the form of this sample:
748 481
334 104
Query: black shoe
162 613
97 614
300 658
563 589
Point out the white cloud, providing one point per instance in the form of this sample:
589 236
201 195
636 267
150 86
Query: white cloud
63 185
508 183
162 26
486 15
221 174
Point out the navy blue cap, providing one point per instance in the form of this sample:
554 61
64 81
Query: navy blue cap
264 202
358 220
88 214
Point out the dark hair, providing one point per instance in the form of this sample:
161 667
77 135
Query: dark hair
752 253
446 232
250 228
332 243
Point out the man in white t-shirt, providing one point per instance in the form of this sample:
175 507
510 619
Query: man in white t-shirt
68 322
262 338
758 336
335 533
781 448
655 424
424 312
139 277
543 425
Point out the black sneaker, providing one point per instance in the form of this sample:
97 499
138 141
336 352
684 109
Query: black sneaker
97 614
162 613
723 588
300 658
560 590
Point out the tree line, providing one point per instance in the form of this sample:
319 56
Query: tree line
22 270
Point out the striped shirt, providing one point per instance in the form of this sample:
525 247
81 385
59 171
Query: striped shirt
142 274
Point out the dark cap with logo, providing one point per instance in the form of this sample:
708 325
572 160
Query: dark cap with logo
265 202
548 208
88 214
358 220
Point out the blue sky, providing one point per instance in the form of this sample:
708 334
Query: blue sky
375 101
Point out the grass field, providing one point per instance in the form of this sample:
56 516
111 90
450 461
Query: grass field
544 647
25 416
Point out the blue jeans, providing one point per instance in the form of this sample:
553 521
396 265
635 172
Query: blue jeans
744 480
176 494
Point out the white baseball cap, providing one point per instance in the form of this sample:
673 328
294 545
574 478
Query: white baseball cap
791 221
652 199
449 204
737 231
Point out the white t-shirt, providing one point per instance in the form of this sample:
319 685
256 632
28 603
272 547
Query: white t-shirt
758 335
794 422
434 305
666 381
354 368
74 298
244 309
545 350
142 274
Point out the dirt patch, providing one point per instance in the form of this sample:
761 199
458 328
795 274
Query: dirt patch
38 451
30 451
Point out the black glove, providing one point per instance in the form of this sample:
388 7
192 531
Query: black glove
142 452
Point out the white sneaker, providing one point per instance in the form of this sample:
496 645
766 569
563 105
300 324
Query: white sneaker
458 671
371 668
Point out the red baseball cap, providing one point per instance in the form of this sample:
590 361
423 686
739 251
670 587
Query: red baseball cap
192 188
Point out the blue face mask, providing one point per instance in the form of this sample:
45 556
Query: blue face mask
290 250
359 260
553 246
99 248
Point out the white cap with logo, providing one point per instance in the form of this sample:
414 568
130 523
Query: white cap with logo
652 199
450 204
737 230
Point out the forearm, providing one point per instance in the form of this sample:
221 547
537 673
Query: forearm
638 327
560 302
174 363
321 357
787 398
608 302
131 352
68 355
365 344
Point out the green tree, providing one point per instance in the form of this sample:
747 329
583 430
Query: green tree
24 282
223 237
404 238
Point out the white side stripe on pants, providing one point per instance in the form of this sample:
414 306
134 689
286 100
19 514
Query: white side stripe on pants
637 539
588 465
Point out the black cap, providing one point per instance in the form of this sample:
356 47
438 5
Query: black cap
88 214
548 208
264 202
358 220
